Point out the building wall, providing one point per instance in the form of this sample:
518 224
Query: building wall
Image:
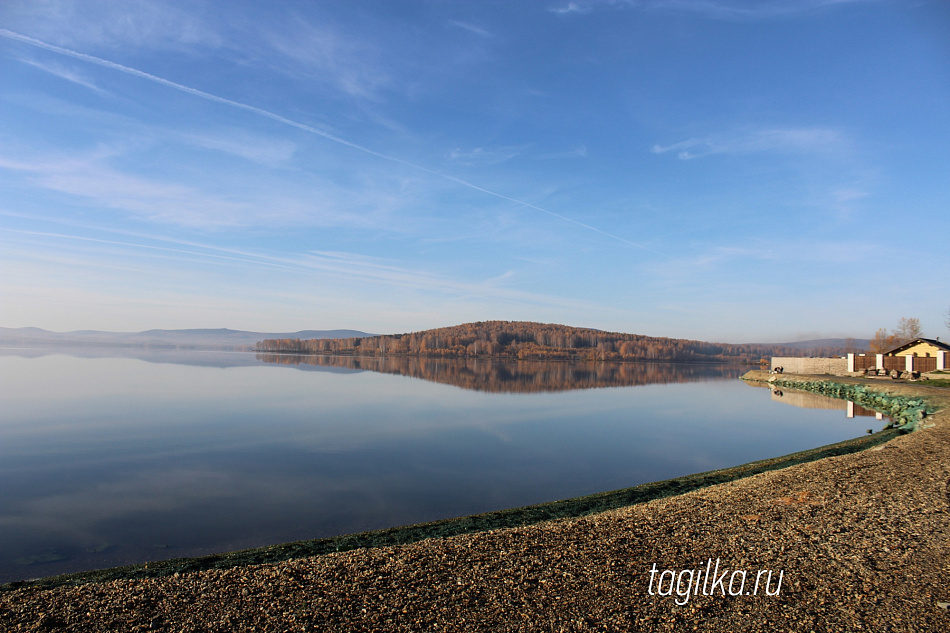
921 349
798 365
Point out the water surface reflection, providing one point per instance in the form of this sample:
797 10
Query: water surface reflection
111 460
508 376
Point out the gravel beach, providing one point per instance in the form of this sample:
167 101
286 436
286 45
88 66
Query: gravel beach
861 542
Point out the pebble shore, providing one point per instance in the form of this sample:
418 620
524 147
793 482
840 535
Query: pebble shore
862 542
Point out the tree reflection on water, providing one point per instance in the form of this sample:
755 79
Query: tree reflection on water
510 376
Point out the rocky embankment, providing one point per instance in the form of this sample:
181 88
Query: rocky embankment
861 542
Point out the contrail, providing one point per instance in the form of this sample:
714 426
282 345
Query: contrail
302 126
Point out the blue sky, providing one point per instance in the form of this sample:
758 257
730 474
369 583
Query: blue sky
713 169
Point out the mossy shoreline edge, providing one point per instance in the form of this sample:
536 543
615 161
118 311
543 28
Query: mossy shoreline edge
513 517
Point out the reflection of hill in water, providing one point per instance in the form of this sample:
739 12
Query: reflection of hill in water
503 376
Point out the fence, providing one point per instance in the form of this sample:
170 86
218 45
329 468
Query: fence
854 362
900 363
895 362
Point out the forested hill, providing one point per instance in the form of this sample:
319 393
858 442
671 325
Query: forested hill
527 340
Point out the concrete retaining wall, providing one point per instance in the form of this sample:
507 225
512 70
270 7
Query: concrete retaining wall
796 365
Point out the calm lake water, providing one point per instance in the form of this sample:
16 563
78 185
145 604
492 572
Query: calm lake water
107 458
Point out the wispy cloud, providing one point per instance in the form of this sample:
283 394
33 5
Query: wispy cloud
845 200
765 10
486 155
255 148
503 153
350 64
572 7
844 196
788 140
312 130
62 72
339 265
579 151
713 9
92 179
471 28
131 24
708 271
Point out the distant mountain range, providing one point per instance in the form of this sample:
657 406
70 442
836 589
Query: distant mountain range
217 339
858 344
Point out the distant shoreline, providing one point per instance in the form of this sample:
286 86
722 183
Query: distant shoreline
506 357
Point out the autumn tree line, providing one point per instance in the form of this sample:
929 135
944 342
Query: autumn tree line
536 341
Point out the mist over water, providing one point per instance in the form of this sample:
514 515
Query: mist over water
109 458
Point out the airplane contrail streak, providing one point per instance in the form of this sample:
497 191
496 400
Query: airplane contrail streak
303 126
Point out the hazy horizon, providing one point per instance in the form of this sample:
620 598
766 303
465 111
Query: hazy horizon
310 331
712 170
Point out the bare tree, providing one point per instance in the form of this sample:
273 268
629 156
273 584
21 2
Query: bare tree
907 330
882 341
